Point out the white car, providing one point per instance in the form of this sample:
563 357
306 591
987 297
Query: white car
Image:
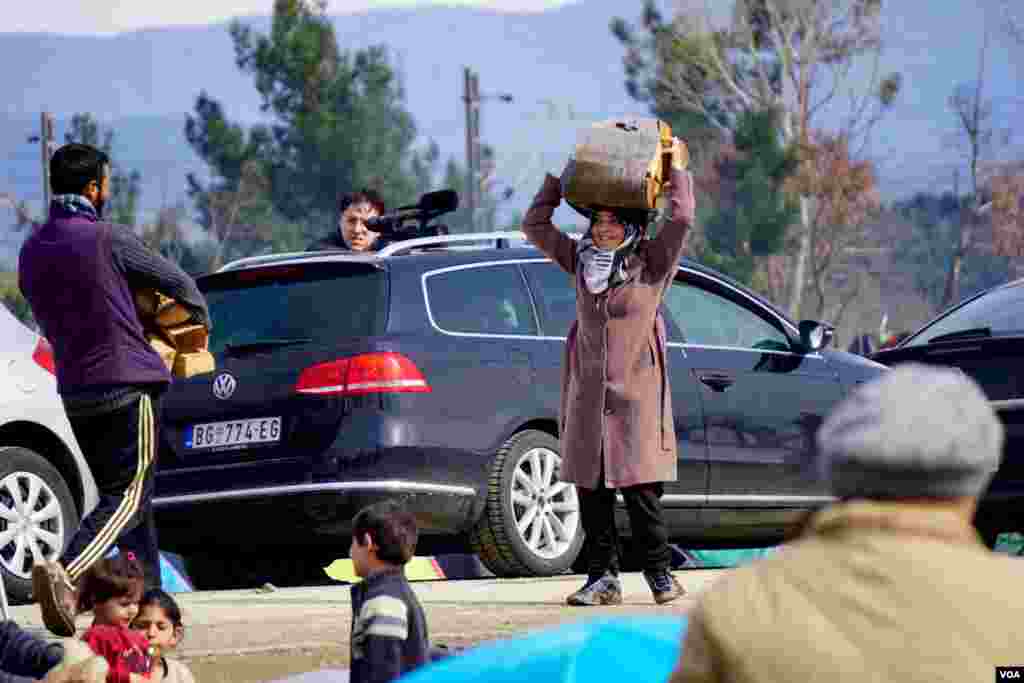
44 480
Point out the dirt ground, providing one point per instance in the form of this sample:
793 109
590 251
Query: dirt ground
450 624
264 634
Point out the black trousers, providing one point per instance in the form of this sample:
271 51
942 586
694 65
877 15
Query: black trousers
120 448
646 520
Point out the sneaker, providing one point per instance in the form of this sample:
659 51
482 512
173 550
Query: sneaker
664 586
57 598
606 590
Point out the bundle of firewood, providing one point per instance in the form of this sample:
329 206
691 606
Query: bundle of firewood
182 344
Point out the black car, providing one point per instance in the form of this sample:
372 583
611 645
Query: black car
430 373
984 337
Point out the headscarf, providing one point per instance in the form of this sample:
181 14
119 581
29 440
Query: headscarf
604 268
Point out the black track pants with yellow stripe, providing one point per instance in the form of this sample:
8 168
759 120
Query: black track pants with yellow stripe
120 448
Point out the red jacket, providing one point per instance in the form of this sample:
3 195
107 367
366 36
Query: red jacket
125 650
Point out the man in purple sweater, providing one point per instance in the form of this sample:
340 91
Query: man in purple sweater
80 274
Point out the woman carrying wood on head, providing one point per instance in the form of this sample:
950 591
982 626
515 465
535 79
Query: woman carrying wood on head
616 413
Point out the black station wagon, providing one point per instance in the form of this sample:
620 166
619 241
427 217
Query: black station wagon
429 372
983 336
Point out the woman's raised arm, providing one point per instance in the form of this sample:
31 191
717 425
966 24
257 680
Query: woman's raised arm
539 229
664 251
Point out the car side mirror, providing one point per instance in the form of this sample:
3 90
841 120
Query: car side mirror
815 336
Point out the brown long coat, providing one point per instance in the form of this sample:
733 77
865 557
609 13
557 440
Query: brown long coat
615 390
874 592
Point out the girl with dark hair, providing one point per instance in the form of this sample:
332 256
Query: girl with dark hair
160 619
617 430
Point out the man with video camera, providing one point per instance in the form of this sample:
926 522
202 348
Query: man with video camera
364 226
353 234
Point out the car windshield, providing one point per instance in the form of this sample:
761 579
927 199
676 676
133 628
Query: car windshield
997 313
279 306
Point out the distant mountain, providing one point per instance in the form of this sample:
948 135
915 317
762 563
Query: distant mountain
563 68
149 80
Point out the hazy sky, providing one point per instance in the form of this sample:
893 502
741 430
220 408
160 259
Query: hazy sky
113 16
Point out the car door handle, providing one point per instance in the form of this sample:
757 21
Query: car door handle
716 381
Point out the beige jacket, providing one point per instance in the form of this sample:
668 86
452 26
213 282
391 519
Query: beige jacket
874 592
616 398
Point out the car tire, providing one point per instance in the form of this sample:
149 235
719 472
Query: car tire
26 477
531 523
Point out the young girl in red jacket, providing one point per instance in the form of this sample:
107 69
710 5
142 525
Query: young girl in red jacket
112 589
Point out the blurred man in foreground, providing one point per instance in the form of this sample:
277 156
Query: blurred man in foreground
893 582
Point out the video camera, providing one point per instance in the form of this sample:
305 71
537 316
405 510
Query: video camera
407 222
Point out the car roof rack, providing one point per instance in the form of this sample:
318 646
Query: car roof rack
502 240
256 260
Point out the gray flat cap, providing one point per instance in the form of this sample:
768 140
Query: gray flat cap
915 432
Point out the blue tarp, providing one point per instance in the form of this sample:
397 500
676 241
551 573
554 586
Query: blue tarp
716 559
633 649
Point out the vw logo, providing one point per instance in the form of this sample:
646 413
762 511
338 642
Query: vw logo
224 385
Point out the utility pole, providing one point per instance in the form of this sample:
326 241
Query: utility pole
46 150
471 97
474 149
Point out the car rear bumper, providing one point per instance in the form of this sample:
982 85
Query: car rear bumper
308 515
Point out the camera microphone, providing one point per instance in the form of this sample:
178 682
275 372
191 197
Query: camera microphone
440 201
430 205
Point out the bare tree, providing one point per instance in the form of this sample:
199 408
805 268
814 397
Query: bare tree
1006 209
977 132
20 208
227 206
799 57
842 196
165 234
1012 19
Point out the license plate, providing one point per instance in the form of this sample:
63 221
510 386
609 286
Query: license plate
234 433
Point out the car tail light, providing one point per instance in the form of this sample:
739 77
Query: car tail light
43 356
368 373
325 378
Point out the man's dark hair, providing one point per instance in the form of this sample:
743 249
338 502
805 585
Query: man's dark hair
391 527
364 196
73 166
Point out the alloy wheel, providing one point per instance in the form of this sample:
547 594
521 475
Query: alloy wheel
31 523
546 510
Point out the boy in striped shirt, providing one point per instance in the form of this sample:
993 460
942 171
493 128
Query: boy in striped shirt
389 629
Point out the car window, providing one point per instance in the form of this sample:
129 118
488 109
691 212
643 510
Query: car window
555 294
484 300
1001 311
709 319
295 303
